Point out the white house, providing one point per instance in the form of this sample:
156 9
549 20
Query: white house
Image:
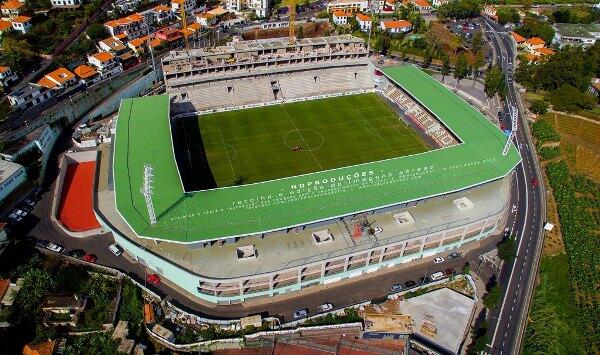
438 3
133 26
394 26
260 7
206 19
106 63
7 76
340 17
65 4
21 24
28 96
59 79
350 6
584 35
364 22
188 4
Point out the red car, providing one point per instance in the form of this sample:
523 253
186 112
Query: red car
154 278
534 182
90 258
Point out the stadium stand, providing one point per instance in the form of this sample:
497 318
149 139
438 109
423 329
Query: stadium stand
75 209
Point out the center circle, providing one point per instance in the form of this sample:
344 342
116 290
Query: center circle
305 139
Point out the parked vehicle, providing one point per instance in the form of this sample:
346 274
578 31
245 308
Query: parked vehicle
40 243
77 253
423 280
301 313
325 307
20 213
437 276
534 182
116 249
90 258
154 279
29 202
396 288
454 255
438 260
409 284
449 271
57 248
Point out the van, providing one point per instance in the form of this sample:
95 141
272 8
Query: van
437 276
116 249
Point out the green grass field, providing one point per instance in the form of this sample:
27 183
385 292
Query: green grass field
258 144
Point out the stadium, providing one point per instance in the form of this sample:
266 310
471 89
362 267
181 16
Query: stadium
270 167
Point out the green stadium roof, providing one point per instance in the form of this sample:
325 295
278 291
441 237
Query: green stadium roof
144 137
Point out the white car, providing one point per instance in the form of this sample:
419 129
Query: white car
55 247
116 249
377 230
325 307
438 260
21 213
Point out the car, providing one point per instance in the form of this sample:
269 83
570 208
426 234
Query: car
116 249
154 279
325 307
423 280
77 253
449 271
454 255
12 216
534 182
21 213
438 260
35 192
301 313
396 288
40 243
377 230
90 258
29 202
409 284
437 276
57 248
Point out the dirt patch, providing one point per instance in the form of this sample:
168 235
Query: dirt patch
553 240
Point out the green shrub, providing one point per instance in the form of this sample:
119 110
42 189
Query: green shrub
544 132
540 107
549 153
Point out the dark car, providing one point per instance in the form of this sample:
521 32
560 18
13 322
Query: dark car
423 280
396 288
301 313
454 255
40 243
409 284
449 272
90 258
77 253
534 182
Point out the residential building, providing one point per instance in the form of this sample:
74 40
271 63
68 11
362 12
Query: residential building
394 26
349 6
87 75
169 35
364 21
340 18
65 4
41 139
438 3
12 175
388 6
189 6
113 45
5 26
162 14
421 5
12 8
575 34
534 43
191 30
206 19
59 79
490 12
21 24
518 38
7 76
260 7
133 26
126 5
28 96
105 63
543 51
45 348
63 310
137 45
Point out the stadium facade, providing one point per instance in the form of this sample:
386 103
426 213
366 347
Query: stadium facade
226 245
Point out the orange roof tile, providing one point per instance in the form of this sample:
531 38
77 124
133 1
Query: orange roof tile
155 42
530 57
55 78
47 83
340 13
194 26
397 24
85 71
161 8
103 56
136 42
363 17
545 51
518 38
535 41
21 19
5 25
45 348
4 69
4 283
421 3
12 5
125 20
206 15
121 36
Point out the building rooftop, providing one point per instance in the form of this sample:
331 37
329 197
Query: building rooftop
577 30
535 41
12 5
5 25
396 24
21 19
7 168
103 57
278 204
85 71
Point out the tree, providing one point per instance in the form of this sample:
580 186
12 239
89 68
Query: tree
478 42
461 69
508 14
494 81
445 67
506 249
539 106
92 343
459 9
32 6
569 98
492 297
17 54
532 27
96 32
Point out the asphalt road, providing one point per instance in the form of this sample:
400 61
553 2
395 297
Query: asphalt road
507 323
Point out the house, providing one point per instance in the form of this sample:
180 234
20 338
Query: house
421 5
137 45
575 34
59 79
534 43
21 24
206 19
133 26
4 283
518 38
12 175
189 6
595 86
259 7
490 12
394 26
5 26
169 35
155 42
388 6
63 310
7 76
28 96
162 14
65 4
45 348
113 45
191 30
12 8
340 18
543 51
364 21
438 3
106 64
125 6
87 75
348 6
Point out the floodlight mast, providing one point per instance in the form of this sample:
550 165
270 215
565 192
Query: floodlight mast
513 119
146 190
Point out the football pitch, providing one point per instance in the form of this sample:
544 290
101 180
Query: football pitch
271 142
